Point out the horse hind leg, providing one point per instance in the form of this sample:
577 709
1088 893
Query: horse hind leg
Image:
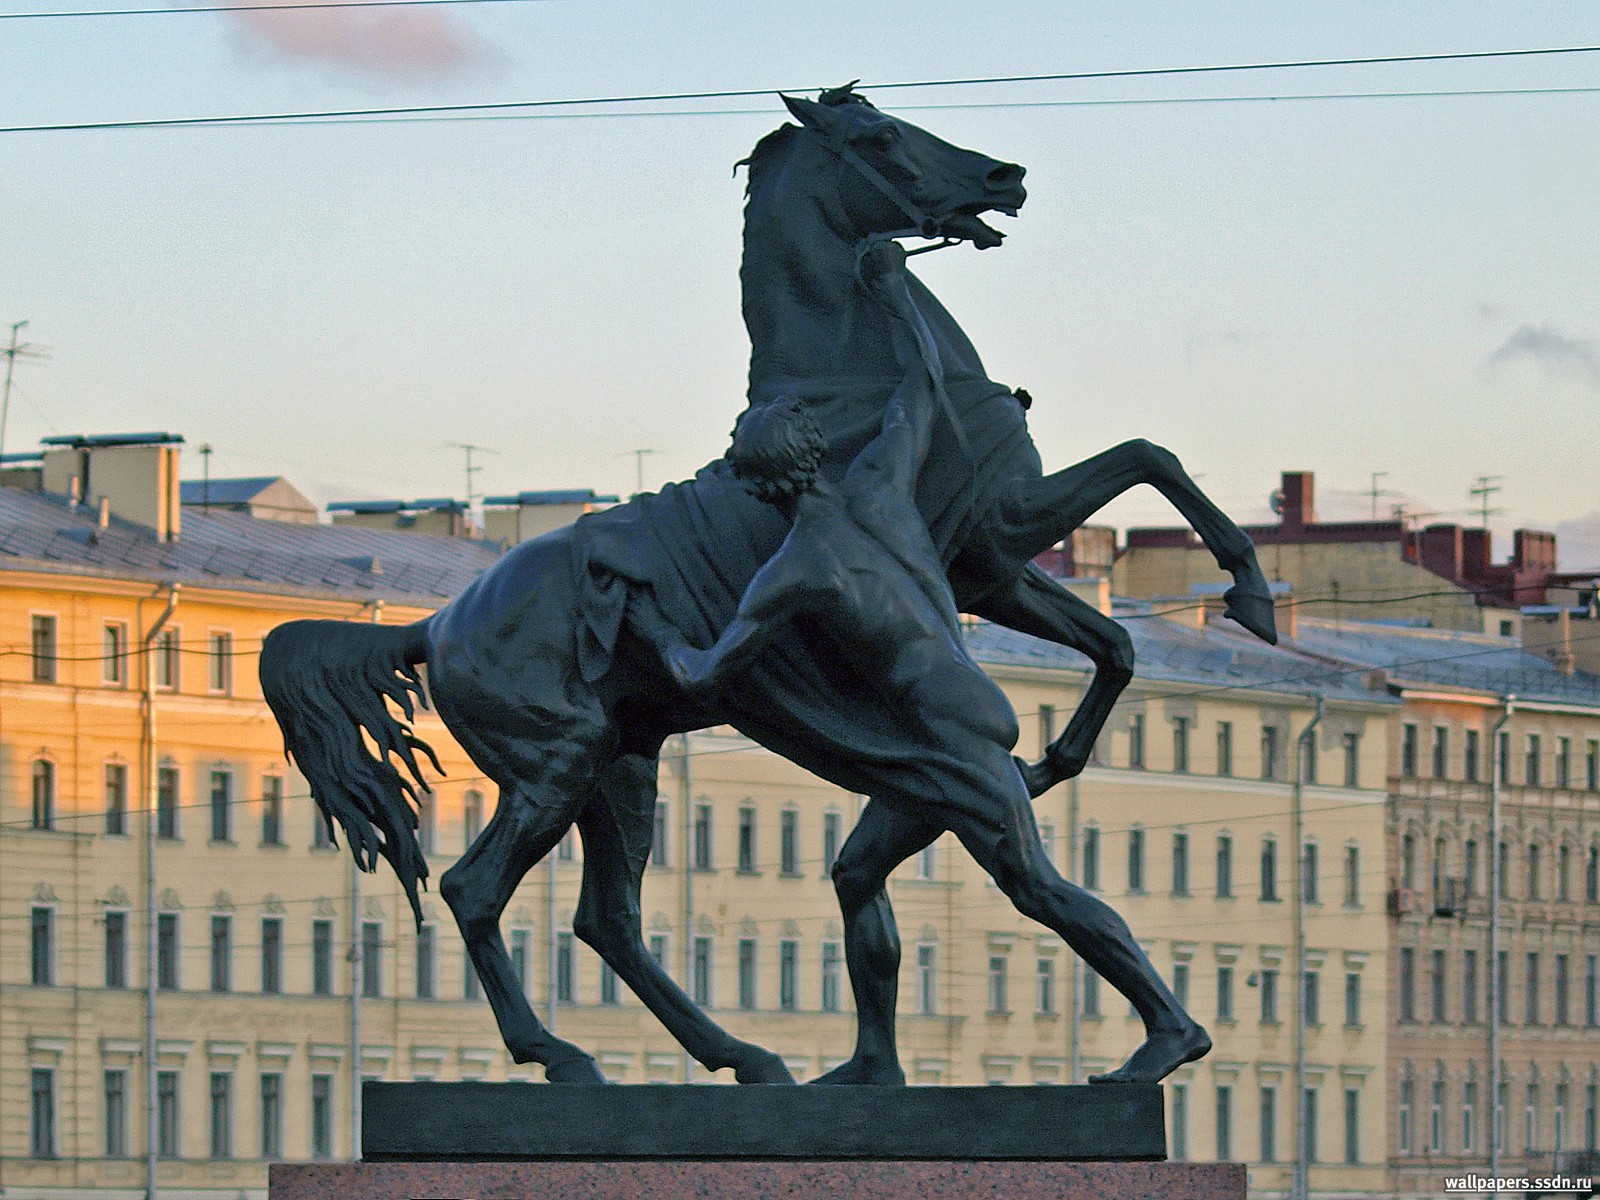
1037 513
617 828
477 889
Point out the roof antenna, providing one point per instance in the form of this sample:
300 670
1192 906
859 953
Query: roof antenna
16 350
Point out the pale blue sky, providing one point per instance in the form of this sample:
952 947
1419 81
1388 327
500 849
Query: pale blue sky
1346 286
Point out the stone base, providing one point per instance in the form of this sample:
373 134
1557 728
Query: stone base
877 1180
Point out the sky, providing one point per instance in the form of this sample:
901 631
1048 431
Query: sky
1405 285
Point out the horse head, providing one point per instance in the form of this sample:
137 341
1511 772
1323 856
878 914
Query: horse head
897 179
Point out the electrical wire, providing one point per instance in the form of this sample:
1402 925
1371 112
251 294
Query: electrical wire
214 8
745 93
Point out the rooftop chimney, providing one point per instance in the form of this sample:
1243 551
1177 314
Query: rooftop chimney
1298 510
133 476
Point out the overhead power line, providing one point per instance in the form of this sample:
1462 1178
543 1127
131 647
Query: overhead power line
211 8
748 93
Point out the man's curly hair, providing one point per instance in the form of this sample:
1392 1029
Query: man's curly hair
776 449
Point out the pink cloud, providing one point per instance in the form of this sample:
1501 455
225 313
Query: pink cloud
403 42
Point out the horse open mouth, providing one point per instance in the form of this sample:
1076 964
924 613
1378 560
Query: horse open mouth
965 225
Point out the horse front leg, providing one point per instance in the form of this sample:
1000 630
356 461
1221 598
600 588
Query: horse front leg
1036 604
617 829
477 889
1037 513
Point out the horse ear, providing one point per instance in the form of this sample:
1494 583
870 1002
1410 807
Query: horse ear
808 112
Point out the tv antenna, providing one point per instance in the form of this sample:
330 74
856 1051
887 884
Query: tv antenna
638 467
1487 486
1375 491
26 351
470 450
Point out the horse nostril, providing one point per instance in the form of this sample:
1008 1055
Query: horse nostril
1005 175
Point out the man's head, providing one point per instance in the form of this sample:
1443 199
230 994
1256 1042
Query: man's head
776 449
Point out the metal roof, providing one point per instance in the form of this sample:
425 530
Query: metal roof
80 441
225 491
557 496
218 548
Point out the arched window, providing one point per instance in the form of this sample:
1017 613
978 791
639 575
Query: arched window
44 794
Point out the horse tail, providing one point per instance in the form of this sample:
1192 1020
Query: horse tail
326 682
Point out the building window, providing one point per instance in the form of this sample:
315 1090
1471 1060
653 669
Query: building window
1308 758
472 819
1533 871
1469 868
1224 993
1530 1014
1562 987
168 1142
427 822
1408 749
1270 766
272 955
747 973
1503 754
1352 876
1504 860
1352 1125
116 779
1180 744
830 841
1564 873
1091 858
927 981
1308 873
1269 996
1311 996
114 654
1269 1124
1269 869
1591 765
1441 752
1563 762
1223 1122
520 958
1136 740
1558 1114
1047 839
1224 866
1408 984
44 794
221 806
1591 990
41 946
566 990
999 1001
43 643
747 839
220 664
271 1115
1352 760
1224 748
371 959
322 957
788 975
114 1091
1531 768
42 1125
1180 1121
1047 727
221 953
1469 764
167 951
1180 983
609 994
1352 999
658 950
1136 860
1530 1118
1469 1116
1045 986
1308 1126
166 660
1180 864
1436 987
221 1114
116 949
700 972
1408 861
271 810
832 956
1591 876
1091 990
659 843
167 802
426 959
322 1116
1403 1117
1502 971
789 842
702 836
1469 987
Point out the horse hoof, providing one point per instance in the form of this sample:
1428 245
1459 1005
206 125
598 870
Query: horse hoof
858 1072
762 1066
1252 609
574 1070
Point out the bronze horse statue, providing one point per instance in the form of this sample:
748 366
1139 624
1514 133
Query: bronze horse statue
546 672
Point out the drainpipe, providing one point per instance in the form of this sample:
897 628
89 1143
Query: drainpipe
688 887
1301 1187
1075 1021
147 757
1508 705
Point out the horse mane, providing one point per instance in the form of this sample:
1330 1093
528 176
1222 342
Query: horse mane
767 151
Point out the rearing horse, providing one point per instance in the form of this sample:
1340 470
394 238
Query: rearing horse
553 688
